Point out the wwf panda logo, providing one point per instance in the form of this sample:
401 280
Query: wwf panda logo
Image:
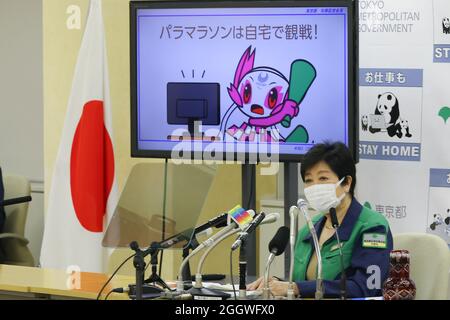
364 122
446 25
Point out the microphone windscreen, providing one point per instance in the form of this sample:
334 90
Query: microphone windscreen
302 203
279 241
134 245
221 224
271 218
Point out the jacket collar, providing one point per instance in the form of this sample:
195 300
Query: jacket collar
346 227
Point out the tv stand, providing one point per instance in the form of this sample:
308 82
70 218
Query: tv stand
194 133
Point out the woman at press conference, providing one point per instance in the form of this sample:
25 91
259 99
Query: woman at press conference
329 176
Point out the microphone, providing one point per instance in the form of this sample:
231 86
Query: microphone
134 246
198 289
279 242
243 254
276 247
250 228
210 241
191 237
334 219
241 242
335 224
303 207
293 214
217 222
185 235
10 202
270 218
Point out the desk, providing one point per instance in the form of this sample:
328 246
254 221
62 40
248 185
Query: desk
18 282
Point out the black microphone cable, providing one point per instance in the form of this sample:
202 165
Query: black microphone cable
117 290
335 224
109 293
112 276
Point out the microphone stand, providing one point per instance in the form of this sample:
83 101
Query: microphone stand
217 222
198 276
276 247
139 264
187 269
154 277
242 270
335 224
319 284
266 290
206 243
198 289
293 214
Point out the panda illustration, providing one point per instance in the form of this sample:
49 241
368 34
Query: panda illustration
447 231
447 220
437 221
364 122
404 125
388 106
446 25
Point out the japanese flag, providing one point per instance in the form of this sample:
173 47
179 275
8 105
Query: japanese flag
83 192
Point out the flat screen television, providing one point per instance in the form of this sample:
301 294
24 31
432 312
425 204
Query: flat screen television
242 80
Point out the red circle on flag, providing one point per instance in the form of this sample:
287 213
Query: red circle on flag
91 167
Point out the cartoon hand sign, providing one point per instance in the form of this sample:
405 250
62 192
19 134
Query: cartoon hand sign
290 109
302 76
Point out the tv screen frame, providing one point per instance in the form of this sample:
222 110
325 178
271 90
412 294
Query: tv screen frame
353 65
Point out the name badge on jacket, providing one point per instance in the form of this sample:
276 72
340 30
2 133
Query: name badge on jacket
374 240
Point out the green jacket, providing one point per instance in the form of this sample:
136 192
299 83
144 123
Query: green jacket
366 241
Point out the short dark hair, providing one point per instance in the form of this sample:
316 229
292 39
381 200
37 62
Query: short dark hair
336 155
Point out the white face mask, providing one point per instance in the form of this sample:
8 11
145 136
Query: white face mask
322 197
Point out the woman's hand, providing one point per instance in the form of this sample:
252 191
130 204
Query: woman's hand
277 288
258 284
280 288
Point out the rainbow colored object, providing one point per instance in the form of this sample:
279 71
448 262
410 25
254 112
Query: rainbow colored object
240 216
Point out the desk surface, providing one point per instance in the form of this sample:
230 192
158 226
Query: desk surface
58 283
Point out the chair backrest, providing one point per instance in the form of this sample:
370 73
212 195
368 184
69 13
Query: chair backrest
16 215
2 209
429 265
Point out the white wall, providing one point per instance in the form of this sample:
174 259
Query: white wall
21 103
